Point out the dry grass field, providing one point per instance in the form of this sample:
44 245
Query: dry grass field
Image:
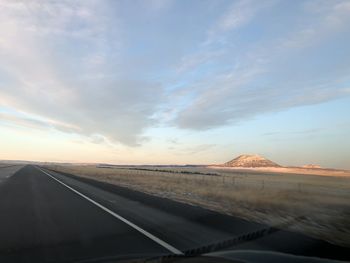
289 170
317 206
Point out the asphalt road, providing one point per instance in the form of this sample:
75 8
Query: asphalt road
7 171
52 217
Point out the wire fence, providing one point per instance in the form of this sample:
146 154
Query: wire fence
237 180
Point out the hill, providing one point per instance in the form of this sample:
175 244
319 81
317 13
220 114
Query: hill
255 160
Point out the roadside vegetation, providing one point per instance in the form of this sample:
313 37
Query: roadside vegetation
317 206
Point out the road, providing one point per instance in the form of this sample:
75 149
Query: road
52 217
7 171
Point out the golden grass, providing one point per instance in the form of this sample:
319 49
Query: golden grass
321 203
288 170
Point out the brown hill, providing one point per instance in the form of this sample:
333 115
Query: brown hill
255 160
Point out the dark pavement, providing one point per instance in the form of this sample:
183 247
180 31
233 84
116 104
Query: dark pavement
41 220
6 171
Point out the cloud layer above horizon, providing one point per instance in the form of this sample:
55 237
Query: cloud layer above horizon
114 70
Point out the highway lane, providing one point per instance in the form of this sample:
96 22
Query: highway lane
43 219
6 171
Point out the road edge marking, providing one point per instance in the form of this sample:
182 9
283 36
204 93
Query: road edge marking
139 229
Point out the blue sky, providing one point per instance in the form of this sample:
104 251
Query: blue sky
175 81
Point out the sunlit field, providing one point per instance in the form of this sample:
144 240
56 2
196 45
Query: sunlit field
317 206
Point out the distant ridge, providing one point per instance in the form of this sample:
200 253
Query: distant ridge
311 166
247 161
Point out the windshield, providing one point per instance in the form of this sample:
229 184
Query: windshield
162 129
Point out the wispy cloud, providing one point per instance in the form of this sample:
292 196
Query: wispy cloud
192 61
160 5
238 14
329 18
192 150
300 132
264 83
34 122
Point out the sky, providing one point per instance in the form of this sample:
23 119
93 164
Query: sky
175 82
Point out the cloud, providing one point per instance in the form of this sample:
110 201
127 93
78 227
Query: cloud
329 18
279 74
110 70
174 141
21 121
192 61
302 132
97 139
61 61
33 122
198 148
221 99
236 99
195 149
238 14
159 5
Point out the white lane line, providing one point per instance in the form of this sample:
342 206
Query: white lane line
142 231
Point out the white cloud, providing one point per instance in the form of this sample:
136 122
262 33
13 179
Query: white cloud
238 14
47 48
159 5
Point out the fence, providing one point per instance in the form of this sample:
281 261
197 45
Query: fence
238 180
